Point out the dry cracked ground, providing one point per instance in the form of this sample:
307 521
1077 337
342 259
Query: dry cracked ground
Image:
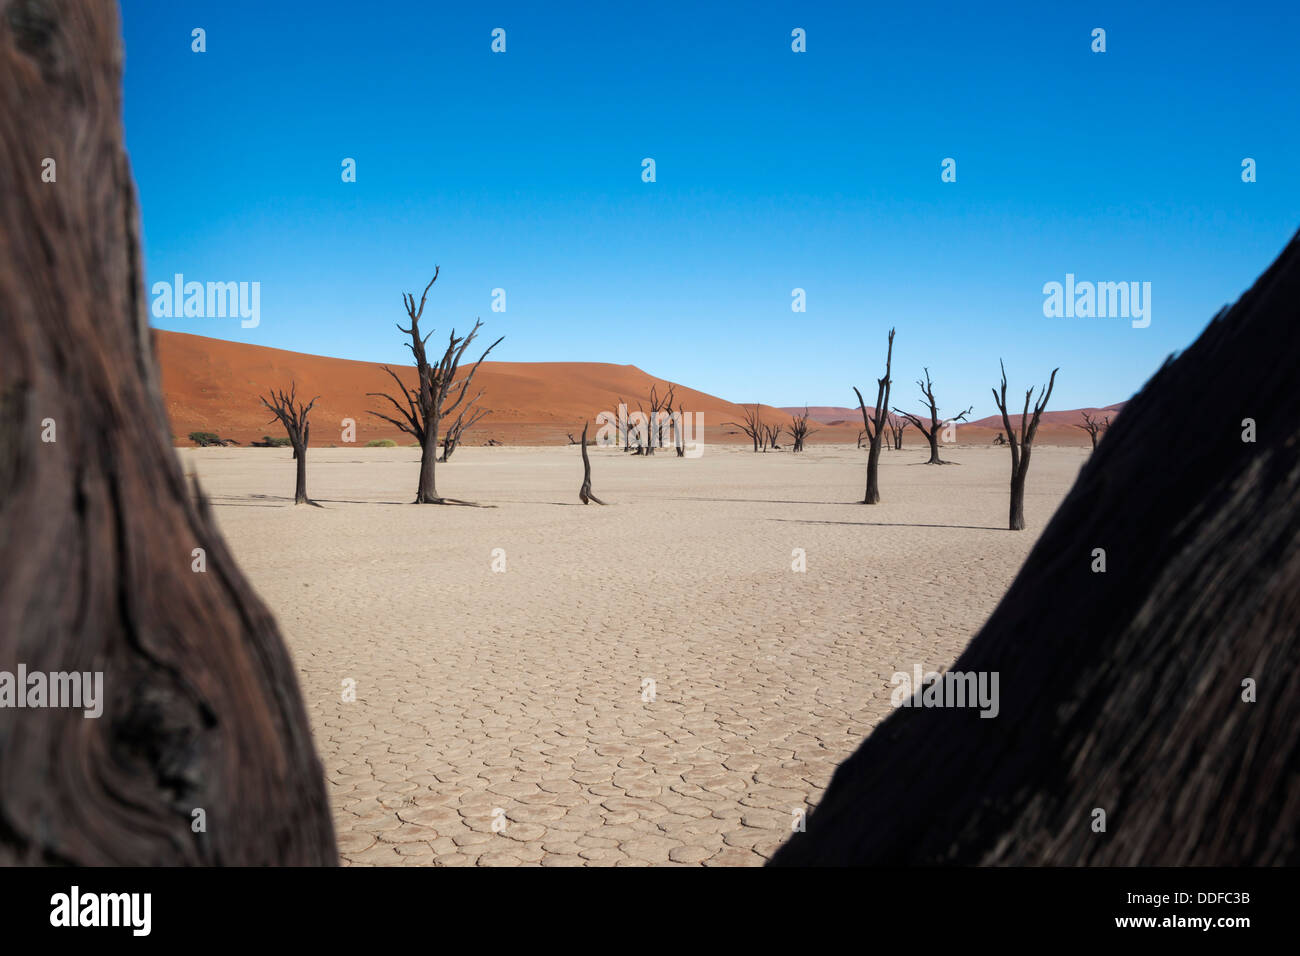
507 717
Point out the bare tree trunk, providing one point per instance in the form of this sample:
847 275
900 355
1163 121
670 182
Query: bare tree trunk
584 493
875 425
99 534
427 491
300 485
1016 515
872 495
933 438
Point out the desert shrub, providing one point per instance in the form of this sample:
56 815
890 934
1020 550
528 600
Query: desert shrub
381 443
204 439
276 442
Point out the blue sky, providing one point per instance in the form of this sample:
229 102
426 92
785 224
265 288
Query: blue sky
775 170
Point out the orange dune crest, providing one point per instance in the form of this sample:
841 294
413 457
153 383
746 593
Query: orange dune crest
213 385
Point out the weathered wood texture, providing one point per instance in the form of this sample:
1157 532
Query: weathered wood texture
97 528
1123 690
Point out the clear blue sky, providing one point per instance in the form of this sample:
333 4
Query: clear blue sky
775 170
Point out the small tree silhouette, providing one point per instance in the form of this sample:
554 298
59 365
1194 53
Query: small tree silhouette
1024 444
292 414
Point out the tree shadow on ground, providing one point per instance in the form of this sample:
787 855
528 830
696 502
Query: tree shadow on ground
892 524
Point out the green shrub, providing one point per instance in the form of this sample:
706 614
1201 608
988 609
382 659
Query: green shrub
381 443
204 439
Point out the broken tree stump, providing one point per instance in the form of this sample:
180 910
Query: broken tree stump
584 493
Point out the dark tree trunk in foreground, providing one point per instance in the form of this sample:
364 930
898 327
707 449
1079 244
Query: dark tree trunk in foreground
875 426
201 707
1123 691
584 493
1022 446
292 414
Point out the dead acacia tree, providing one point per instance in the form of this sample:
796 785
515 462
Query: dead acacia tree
753 425
422 409
800 430
657 420
623 425
771 433
469 416
101 536
644 443
875 426
584 493
899 425
679 426
1021 446
1133 689
1093 427
292 414
932 432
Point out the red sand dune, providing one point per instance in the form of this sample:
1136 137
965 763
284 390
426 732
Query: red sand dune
212 385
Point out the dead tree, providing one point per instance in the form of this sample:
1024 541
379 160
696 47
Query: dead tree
1093 427
861 434
1021 446
679 426
800 430
753 425
771 433
642 429
899 425
469 416
932 432
1132 690
584 493
102 540
421 410
623 424
292 414
658 419
875 426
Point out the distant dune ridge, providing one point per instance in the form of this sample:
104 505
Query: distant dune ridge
213 385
